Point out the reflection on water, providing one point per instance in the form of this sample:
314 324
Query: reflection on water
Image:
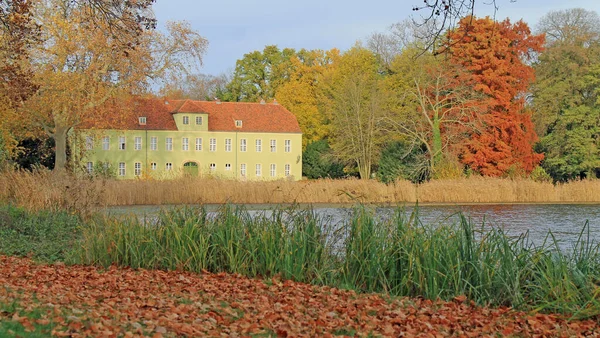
565 221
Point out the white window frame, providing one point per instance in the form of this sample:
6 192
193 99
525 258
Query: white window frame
168 166
89 167
258 145
273 145
273 169
243 169
122 143
137 143
142 120
228 166
258 171
287 170
169 143
238 123
153 165
106 143
185 144
198 143
212 145
186 119
212 167
287 147
122 167
153 143
137 169
228 145
198 120
243 145
89 142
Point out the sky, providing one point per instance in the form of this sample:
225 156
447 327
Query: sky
236 27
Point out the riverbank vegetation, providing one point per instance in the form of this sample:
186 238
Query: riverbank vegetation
395 255
44 189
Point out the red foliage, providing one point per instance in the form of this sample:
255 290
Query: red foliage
87 302
493 56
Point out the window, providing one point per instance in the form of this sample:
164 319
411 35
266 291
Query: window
273 170
228 166
258 170
121 168
122 143
153 165
198 120
243 169
137 168
168 166
198 143
213 166
186 120
153 143
137 145
89 143
89 167
105 143
238 123
287 146
185 144
243 145
213 144
258 145
142 120
273 146
227 144
288 170
169 143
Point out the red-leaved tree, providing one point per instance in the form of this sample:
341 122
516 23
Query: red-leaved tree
494 56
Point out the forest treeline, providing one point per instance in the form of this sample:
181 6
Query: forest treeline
491 98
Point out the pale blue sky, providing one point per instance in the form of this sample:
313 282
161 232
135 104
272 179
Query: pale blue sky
236 27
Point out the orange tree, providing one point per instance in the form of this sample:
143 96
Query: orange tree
494 56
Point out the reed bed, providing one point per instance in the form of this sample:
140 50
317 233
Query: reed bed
397 255
43 189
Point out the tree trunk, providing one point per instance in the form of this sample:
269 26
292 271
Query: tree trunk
60 140
436 147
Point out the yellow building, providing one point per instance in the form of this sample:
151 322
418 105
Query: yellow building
254 141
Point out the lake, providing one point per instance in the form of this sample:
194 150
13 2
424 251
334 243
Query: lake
564 220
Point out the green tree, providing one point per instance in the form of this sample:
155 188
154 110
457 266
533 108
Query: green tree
565 95
318 161
258 75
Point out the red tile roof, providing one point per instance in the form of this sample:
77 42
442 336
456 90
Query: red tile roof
255 117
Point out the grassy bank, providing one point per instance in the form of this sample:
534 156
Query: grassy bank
47 190
397 256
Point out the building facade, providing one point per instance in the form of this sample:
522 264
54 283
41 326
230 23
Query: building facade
246 141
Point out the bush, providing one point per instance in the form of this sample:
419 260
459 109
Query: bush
538 174
318 162
403 160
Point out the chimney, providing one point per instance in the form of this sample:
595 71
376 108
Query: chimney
262 101
217 101
275 101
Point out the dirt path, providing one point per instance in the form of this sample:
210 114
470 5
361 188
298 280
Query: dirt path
86 301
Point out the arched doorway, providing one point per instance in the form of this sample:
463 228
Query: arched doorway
190 169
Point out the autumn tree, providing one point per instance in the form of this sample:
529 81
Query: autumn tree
565 95
259 74
429 109
494 57
302 93
78 70
195 87
355 102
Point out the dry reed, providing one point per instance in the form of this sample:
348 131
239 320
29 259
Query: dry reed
43 189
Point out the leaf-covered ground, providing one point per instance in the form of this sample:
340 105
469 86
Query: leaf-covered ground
78 301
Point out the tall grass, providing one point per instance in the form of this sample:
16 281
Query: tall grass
47 190
397 255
